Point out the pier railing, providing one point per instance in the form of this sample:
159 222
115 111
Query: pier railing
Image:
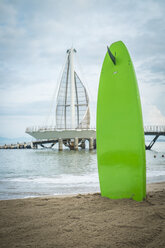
52 128
147 129
154 128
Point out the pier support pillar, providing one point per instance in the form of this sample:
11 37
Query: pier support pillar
60 144
152 142
83 144
94 143
91 144
76 143
33 145
71 144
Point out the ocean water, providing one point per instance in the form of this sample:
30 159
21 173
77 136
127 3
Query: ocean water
33 173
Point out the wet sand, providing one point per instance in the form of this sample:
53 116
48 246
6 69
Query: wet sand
84 221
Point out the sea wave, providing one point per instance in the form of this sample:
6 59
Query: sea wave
62 179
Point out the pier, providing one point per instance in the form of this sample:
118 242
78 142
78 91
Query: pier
155 131
17 146
72 144
73 139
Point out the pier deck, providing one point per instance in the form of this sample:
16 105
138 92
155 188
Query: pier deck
74 138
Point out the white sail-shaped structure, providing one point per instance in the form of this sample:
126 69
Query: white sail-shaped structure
72 109
72 113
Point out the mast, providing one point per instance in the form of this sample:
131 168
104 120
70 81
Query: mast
72 89
72 109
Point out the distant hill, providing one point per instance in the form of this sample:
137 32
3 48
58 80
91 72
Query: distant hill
6 140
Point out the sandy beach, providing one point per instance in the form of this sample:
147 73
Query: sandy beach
84 221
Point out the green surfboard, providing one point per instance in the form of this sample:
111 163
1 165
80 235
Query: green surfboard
119 128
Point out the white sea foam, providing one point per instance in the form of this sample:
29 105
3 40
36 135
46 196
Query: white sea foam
62 179
155 173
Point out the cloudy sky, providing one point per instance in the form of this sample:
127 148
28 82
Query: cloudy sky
34 37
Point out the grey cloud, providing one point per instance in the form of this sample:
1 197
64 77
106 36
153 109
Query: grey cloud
22 109
34 36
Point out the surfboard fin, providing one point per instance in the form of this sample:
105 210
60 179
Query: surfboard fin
111 56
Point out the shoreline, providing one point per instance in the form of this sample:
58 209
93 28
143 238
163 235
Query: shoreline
84 220
156 186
